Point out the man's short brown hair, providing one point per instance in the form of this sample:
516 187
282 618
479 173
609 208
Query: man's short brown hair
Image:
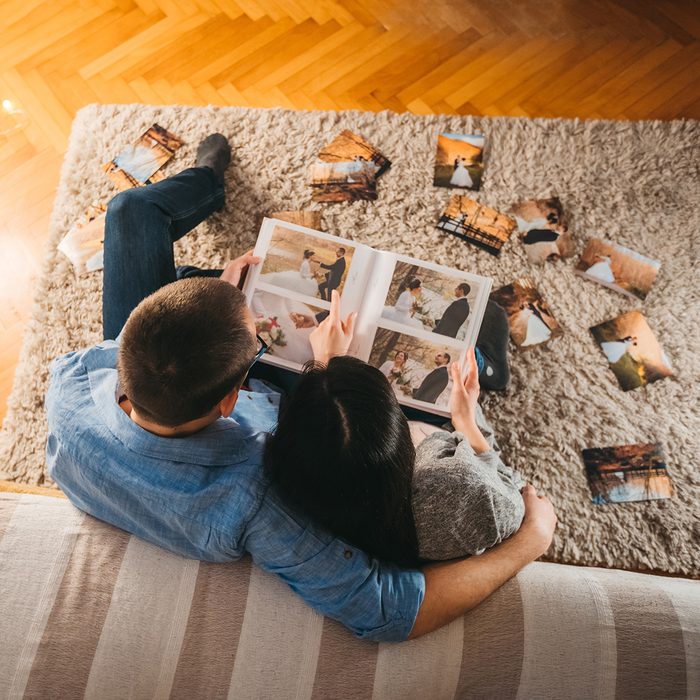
184 348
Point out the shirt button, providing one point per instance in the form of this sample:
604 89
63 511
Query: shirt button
347 554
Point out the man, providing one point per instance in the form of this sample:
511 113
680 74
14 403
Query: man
333 276
434 383
156 434
455 314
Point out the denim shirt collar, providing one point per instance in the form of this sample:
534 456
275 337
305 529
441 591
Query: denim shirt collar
224 442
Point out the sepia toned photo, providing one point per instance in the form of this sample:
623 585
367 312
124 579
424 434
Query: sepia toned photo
285 325
83 245
618 268
305 264
459 161
530 320
543 226
139 162
476 223
627 473
346 170
430 300
631 348
416 369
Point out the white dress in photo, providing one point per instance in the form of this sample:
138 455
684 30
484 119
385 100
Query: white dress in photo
298 348
537 330
301 281
602 271
401 311
615 349
460 177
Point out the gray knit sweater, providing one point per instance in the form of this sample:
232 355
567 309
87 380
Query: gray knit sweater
463 502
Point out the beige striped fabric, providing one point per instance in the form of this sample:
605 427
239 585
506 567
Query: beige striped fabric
86 610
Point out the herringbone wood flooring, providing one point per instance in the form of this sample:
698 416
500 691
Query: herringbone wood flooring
618 59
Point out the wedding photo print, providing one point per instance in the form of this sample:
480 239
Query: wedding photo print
529 317
430 300
285 325
306 264
459 161
631 348
416 369
618 268
627 473
476 223
346 170
138 163
543 226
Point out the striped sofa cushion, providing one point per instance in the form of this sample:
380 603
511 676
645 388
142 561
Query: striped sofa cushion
88 611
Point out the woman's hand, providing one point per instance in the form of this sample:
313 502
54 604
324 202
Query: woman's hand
465 393
234 272
333 335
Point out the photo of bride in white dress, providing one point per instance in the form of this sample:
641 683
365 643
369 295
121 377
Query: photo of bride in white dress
529 318
461 177
285 325
602 270
404 309
302 280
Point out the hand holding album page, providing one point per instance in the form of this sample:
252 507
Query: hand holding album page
414 317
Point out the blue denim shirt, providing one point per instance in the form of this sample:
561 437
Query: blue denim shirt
205 496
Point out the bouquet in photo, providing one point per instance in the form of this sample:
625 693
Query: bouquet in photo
271 332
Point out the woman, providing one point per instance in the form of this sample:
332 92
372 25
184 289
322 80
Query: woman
402 311
302 281
393 370
460 176
602 270
342 453
535 330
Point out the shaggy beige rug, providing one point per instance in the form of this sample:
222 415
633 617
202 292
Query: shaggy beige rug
635 183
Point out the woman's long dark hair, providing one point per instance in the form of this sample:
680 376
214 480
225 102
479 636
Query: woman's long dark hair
342 453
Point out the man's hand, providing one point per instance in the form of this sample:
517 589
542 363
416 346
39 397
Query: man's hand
539 522
333 336
235 271
302 320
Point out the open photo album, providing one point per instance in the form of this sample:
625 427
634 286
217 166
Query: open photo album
414 317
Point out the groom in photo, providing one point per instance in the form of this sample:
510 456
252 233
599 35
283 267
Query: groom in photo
333 276
435 382
455 314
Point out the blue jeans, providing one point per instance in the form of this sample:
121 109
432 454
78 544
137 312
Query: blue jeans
141 226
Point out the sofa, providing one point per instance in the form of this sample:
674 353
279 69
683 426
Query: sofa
87 610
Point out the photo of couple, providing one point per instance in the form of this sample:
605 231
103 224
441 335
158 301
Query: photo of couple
432 301
530 320
475 223
618 268
285 325
544 229
627 473
138 164
416 369
305 264
631 348
459 161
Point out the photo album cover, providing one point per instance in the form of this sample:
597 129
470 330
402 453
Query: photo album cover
83 245
476 223
139 163
530 320
346 170
618 268
459 161
414 317
631 348
627 473
543 226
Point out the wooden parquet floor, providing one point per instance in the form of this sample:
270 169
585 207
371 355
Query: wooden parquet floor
617 59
